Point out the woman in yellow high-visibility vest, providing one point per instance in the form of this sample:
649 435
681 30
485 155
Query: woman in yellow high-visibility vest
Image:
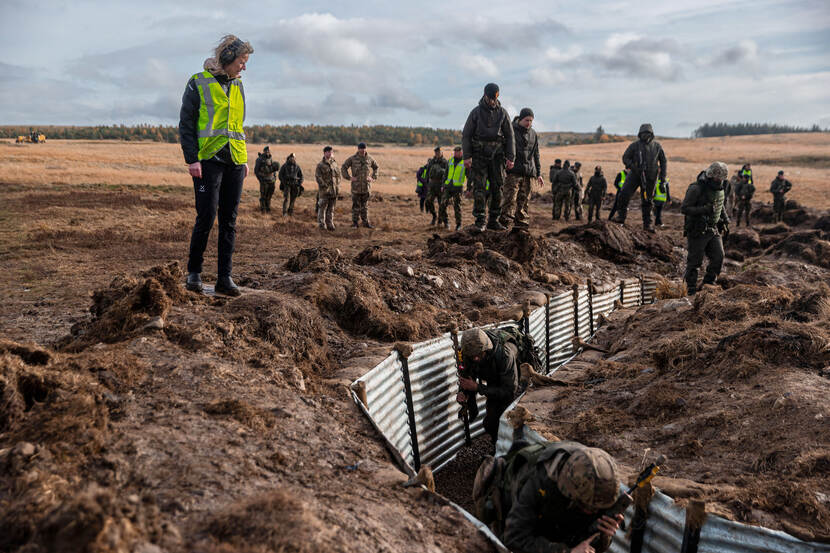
213 143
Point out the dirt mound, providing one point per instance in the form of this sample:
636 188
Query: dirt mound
813 246
275 521
743 240
314 260
619 243
128 304
521 247
823 223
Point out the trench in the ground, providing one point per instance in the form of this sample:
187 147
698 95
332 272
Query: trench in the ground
455 479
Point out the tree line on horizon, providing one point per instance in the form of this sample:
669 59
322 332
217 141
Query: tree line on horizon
708 130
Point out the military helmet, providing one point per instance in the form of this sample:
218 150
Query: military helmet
589 478
475 342
717 171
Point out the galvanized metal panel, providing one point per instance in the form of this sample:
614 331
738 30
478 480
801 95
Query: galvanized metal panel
649 291
584 314
720 535
537 330
664 528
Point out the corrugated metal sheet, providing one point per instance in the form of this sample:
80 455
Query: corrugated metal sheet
584 314
440 432
537 330
386 404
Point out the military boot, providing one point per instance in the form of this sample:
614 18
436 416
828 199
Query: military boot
226 286
434 220
354 224
194 282
648 227
367 224
495 225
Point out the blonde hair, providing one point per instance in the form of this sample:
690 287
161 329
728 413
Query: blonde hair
229 45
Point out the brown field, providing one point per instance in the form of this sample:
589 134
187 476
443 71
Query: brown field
804 158
230 429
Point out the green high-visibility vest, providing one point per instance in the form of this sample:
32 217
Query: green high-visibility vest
660 195
221 117
423 176
456 173
747 173
622 180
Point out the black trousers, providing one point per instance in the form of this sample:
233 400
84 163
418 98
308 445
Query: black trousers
218 191
632 183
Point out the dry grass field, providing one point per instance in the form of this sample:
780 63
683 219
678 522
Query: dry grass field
804 157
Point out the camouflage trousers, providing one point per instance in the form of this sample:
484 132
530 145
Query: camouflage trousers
562 201
514 201
744 206
433 198
709 245
325 211
450 193
576 199
486 168
778 206
594 207
266 191
360 207
289 195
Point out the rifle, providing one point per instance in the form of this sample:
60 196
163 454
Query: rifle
625 499
469 404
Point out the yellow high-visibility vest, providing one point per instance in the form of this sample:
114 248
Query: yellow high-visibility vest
221 117
456 173
622 180
660 192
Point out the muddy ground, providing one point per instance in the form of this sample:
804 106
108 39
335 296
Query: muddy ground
137 416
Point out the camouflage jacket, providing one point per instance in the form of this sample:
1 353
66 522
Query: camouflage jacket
499 369
539 518
779 187
291 174
362 167
565 181
266 168
704 207
328 178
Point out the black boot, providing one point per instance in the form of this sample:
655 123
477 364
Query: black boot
194 282
226 286
434 219
495 225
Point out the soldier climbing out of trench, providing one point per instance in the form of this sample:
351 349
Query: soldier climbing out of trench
548 497
492 357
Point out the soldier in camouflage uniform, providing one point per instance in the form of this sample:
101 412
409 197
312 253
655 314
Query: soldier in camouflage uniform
743 198
526 169
291 183
705 222
595 192
364 170
436 174
779 188
554 170
493 358
563 188
265 170
545 497
577 194
328 186
489 148
453 188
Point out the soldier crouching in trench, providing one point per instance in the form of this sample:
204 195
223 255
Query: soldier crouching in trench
547 498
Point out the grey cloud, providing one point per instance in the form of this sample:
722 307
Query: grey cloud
745 52
640 57
500 35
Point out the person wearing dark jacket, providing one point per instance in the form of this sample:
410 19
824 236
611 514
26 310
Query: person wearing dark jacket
291 183
213 142
563 187
525 170
779 188
554 170
646 162
705 222
437 167
489 147
743 198
265 170
577 194
595 192
493 360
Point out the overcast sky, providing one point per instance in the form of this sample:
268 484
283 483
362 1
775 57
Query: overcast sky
577 64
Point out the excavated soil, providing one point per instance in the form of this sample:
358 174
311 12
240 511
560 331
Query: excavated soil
138 416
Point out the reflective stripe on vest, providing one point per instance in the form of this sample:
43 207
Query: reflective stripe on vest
660 192
456 173
221 117
622 180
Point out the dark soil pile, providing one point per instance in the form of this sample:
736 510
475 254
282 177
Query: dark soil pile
731 387
455 480
621 244
813 246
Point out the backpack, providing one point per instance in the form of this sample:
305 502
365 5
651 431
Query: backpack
528 353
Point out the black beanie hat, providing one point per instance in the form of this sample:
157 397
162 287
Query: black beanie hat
526 112
327 149
361 146
490 90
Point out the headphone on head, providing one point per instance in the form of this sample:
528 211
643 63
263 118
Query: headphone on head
230 52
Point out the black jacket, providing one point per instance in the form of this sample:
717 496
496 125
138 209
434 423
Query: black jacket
645 155
500 370
291 174
565 181
597 187
779 187
704 207
527 152
189 122
490 125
